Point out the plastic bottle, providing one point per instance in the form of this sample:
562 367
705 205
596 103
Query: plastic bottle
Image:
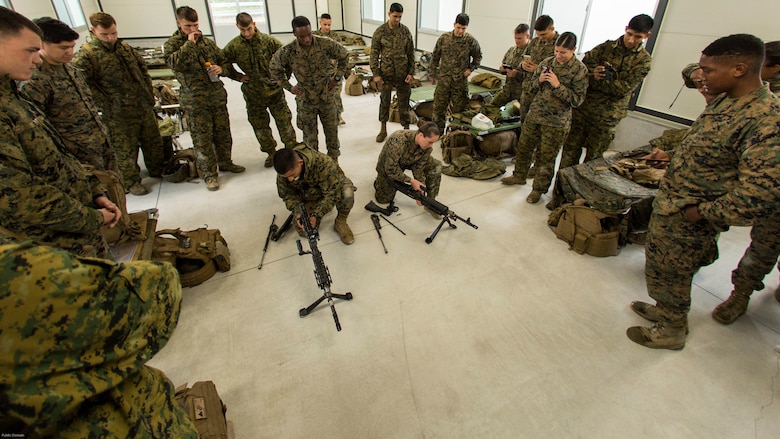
213 76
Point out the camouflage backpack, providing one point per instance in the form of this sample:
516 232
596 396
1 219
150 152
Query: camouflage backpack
196 254
455 143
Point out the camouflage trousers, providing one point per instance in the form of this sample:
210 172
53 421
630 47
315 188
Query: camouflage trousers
257 109
81 372
593 134
403 92
308 112
674 251
211 138
452 92
539 144
337 97
129 132
344 204
385 193
760 257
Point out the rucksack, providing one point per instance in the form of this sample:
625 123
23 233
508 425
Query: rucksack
456 143
498 145
196 254
126 229
424 110
586 229
353 86
476 168
205 408
182 166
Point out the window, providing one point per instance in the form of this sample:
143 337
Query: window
224 12
70 12
595 21
6 4
439 15
373 10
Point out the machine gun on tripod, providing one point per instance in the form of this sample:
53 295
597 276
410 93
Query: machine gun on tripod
447 216
321 273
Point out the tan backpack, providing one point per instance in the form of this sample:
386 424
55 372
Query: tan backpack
586 229
127 229
205 408
456 143
196 254
353 86
182 166
498 145
486 80
395 115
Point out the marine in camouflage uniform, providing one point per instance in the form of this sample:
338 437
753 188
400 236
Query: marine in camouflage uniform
455 57
726 172
339 85
81 371
538 49
62 93
513 85
759 258
606 104
311 63
548 121
122 89
407 149
261 94
320 185
47 195
392 65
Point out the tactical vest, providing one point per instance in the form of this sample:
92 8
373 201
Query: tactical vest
196 254
587 230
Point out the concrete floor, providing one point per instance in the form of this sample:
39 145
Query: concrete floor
500 332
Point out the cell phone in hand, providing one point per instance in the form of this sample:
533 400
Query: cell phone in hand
545 69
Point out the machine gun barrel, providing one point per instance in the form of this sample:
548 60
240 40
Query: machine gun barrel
271 231
281 230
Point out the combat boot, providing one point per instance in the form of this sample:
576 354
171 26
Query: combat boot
341 120
662 335
514 179
342 228
232 167
652 313
269 161
382 133
212 183
534 197
729 311
138 189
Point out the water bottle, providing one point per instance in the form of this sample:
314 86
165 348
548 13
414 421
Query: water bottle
213 76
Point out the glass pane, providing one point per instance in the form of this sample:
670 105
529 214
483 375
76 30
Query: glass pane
439 14
224 12
374 10
608 20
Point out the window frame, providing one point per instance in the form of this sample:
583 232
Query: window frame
67 16
382 15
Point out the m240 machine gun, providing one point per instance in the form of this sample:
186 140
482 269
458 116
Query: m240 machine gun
447 216
321 273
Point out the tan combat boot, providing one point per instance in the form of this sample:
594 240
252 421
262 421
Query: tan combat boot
514 179
534 197
651 312
269 161
661 335
212 183
342 228
382 133
729 311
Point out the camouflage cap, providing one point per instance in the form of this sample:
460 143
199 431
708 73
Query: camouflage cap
687 72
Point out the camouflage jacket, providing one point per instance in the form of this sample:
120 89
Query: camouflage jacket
117 77
62 93
332 35
47 195
452 55
729 163
321 181
400 152
514 57
253 57
311 65
538 50
552 106
774 85
392 52
611 97
188 61
76 335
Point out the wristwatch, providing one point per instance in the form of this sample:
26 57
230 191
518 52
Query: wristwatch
337 78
